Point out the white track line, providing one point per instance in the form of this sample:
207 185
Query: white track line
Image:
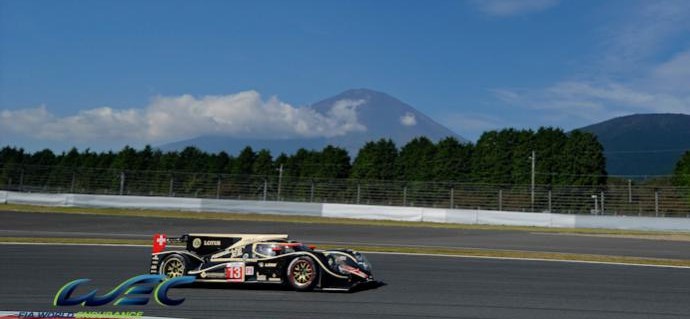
75 244
528 259
394 253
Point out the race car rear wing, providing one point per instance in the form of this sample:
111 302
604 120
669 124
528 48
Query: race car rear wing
162 240
177 240
203 244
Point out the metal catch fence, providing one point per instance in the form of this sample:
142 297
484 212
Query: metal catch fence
612 199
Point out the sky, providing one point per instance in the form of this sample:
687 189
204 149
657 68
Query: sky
103 74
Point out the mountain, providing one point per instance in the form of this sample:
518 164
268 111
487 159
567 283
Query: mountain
643 144
383 116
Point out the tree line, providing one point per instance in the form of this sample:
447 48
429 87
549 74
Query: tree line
498 157
681 174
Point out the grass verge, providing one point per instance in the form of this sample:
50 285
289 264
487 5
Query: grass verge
331 221
517 254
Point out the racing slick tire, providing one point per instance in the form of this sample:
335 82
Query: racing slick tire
174 266
303 273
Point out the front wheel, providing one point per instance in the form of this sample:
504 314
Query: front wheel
302 273
173 266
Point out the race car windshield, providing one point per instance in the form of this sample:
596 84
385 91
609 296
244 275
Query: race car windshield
265 250
273 249
363 261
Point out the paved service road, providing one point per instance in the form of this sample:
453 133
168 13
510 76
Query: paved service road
66 225
417 287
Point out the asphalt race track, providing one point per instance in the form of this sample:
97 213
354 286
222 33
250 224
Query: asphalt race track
16 224
417 287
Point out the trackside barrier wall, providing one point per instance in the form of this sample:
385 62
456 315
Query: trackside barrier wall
410 214
633 223
513 218
37 199
459 216
140 202
260 207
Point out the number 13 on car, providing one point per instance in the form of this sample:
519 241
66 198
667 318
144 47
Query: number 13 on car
234 272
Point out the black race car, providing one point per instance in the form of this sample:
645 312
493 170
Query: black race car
260 258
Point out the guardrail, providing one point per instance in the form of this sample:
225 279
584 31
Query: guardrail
418 214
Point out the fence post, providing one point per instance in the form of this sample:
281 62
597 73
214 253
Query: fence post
452 197
550 208
500 199
21 180
122 182
404 195
629 191
358 192
172 185
533 158
218 188
71 187
311 192
280 180
656 202
603 203
265 188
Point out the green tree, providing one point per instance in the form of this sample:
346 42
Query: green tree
125 159
584 160
11 160
263 164
416 160
245 162
44 157
281 159
12 155
681 174
220 163
452 161
494 156
168 161
549 144
105 160
70 159
376 160
335 163
520 144
304 163
147 159
193 159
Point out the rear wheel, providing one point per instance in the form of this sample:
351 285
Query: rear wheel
302 273
173 266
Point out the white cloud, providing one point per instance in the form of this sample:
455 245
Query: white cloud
472 125
408 119
640 68
595 101
243 114
672 75
643 29
505 8
101 122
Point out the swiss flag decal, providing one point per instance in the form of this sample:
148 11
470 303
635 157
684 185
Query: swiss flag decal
159 241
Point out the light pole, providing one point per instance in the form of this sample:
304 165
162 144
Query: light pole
280 180
533 158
